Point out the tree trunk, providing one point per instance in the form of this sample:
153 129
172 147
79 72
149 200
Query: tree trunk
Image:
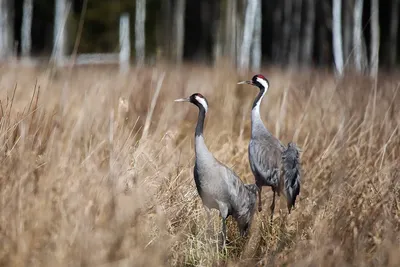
394 26
358 38
324 24
140 36
286 28
308 42
247 35
295 36
217 23
230 30
60 32
256 46
6 29
165 29
241 10
124 43
179 29
375 37
337 35
277 51
347 33
26 36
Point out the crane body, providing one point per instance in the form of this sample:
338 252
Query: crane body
218 186
269 159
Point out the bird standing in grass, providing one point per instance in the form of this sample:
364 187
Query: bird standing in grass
268 157
218 186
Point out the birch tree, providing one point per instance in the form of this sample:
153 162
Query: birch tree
277 33
256 46
6 29
358 38
287 10
251 9
241 16
230 30
295 36
375 36
179 29
165 30
60 33
347 31
26 36
308 42
140 37
394 26
337 35
325 19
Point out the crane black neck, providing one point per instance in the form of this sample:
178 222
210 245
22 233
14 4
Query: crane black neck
259 97
200 121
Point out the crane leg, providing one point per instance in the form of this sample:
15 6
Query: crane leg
224 214
223 233
273 205
208 220
259 199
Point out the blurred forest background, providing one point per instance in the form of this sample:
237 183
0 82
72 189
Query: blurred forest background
356 34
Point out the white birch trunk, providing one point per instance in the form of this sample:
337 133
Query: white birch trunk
337 35
230 30
179 28
60 32
124 43
295 36
358 39
256 46
140 37
247 35
166 31
6 29
239 34
394 26
375 37
347 33
26 36
287 11
308 42
277 33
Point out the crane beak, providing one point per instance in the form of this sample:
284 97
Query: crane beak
182 100
246 82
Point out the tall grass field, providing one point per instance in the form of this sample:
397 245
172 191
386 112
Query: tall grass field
97 167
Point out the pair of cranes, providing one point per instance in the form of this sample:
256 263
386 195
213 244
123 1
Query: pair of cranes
271 162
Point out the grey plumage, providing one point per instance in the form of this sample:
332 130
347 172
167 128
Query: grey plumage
218 186
291 168
269 158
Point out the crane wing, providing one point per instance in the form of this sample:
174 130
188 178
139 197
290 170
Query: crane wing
265 160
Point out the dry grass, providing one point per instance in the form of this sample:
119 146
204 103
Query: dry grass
79 187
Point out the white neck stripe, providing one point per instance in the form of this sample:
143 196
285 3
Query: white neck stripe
263 82
203 102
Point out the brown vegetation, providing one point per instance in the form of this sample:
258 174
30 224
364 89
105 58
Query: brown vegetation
79 187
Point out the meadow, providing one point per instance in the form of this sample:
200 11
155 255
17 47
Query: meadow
97 167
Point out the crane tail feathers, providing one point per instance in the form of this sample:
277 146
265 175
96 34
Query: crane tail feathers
291 169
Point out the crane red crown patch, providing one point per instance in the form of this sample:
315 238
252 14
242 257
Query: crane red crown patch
261 76
200 95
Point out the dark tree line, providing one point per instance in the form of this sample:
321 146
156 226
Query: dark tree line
357 34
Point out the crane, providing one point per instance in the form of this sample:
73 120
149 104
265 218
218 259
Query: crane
269 158
218 186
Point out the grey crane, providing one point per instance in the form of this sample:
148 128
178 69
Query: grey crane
220 187
269 158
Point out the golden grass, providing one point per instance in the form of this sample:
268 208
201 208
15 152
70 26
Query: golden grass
80 187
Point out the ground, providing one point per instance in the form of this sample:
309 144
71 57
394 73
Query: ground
97 167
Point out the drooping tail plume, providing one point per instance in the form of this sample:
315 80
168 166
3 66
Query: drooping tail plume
291 170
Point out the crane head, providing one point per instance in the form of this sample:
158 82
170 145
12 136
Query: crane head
197 99
258 80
